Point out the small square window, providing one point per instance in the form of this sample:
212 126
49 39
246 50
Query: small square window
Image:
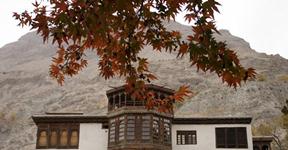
186 137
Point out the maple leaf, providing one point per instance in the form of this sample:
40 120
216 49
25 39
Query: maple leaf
183 49
182 92
118 30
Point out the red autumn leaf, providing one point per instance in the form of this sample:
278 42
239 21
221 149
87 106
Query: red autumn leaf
182 92
183 50
117 31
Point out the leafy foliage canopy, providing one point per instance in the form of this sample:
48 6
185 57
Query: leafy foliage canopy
117 30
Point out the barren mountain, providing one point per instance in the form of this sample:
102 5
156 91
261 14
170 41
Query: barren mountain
27 89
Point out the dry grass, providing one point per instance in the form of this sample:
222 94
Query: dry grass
261 77
13 116
2 115
283 77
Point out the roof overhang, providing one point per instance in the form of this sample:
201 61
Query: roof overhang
54 118
69 119
263 139
213 120
149 86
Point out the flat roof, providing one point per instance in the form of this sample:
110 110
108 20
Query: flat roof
79 118
61 118
212 120
263 138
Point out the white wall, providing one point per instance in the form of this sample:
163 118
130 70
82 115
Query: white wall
206 137
93 137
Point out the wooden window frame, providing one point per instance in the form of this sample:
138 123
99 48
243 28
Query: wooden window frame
42 127
121 99
237 136
53 128
138 128
121 121
112 121
73 128
156 127
148 133
133 120
49 127
184 137
167 131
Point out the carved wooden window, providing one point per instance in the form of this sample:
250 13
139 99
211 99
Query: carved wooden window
112 130
121 128
231 137
74 138
123 100
130 131
156 129
43 138
110 103
64 138
129 101
116 102
166 131
146 126
143 128
139 102
58 136
186 137
53 138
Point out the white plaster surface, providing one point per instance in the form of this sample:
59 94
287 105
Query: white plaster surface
206 137
93 137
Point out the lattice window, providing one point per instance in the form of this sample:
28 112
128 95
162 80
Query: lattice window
167 131
186 137
156 129
146 126
130 132
112 130
121 128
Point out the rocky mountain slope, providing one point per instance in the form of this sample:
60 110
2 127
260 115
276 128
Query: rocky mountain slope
26 88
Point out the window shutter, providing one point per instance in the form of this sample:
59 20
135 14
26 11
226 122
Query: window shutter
131 122
231 137
235 137
220 138
146 127
242 138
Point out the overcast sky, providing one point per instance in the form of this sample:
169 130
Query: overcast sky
263 23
